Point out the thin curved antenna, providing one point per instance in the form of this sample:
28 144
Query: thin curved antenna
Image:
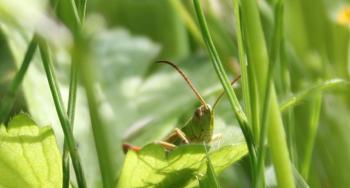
199 97
223 93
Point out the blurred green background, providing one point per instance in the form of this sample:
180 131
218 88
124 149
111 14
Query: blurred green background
142 102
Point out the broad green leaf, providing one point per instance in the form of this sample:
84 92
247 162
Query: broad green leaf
154 167
29 156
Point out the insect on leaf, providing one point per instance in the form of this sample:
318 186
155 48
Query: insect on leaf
152 166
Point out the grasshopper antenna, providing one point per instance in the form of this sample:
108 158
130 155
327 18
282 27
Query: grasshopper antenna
199 97
223 93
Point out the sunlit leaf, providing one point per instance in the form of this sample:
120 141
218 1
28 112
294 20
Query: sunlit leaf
29 156
154 167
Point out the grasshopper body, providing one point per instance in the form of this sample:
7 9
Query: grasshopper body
199 128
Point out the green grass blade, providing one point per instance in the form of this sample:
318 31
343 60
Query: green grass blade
189 22
71 114
301 96
62 115
259 61
80 7
99 129
242 58
254 105
69 15
8 100
274 54
313 126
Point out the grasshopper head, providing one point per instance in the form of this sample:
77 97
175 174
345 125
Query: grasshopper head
202 122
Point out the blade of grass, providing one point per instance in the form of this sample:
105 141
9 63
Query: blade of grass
253 94
80 56
247 80
189 22
8 100
73 9
283 80
313 126
241 117
242 58
259 60
62 115
274 54
296 99
81 6
71 114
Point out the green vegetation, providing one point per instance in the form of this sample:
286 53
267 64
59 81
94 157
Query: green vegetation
91 64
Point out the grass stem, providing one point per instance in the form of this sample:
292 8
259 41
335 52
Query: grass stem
274 54
259 61
80 56
62 115
71 114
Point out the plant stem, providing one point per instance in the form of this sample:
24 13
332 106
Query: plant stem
242 58
189 22
81 7
314 118
65 123
259 61
247 79
75 9
8 100
241 117
274 54
102 147
71 115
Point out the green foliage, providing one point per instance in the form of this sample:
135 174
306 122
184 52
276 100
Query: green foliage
154 167
300 53
29 156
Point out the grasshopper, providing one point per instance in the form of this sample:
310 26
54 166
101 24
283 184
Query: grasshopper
198 129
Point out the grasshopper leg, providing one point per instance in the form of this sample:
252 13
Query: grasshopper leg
126 147
177 133
166 145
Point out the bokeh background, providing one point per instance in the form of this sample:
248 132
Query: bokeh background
141 102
